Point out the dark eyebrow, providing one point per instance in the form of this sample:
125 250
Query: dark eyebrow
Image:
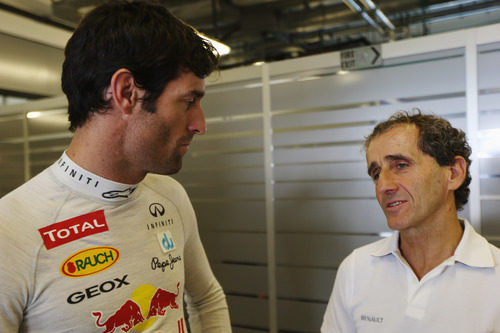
372 166
197 93
399 157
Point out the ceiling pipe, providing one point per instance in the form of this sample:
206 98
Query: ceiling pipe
368 6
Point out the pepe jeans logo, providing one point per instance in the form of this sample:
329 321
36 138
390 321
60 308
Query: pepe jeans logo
156 209
89 261
169 262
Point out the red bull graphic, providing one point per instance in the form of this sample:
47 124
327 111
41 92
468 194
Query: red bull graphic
144 307
161 301
180 325
127 316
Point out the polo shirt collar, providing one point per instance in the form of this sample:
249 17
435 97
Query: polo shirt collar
473 249
387 246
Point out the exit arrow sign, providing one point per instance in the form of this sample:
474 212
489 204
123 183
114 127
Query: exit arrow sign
361 57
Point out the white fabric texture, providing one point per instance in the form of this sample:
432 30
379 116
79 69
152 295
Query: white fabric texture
375 290
80 253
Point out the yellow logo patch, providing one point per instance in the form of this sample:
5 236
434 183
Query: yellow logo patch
89 261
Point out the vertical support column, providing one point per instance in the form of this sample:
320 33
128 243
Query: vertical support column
472 115
26 148
269 187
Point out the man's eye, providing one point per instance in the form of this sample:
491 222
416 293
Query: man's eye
401 165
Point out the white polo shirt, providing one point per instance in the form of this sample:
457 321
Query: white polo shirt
377 291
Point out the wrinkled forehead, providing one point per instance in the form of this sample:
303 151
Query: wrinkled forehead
396 140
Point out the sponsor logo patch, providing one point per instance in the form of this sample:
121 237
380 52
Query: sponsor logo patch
156 209
146 304
97 290
166 241
89 261
72 229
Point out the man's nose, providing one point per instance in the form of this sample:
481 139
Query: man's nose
197 124
386 183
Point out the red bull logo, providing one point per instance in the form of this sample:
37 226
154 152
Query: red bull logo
125 318
161 301
140 312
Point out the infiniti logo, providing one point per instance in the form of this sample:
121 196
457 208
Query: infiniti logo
156 209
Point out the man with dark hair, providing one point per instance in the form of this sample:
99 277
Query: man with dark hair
435 273
97 242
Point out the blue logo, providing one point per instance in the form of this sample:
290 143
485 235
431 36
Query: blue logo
166 241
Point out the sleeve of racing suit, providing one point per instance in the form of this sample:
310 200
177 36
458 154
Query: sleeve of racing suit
16 270
337 318
206 302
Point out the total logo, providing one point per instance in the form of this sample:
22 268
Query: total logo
89 261
75 228
144 307
166 241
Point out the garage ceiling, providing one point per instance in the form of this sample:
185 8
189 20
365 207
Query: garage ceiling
270 30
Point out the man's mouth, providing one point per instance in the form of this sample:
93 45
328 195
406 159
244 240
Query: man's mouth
395 203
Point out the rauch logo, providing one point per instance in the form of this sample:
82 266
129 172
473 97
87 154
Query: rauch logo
90 261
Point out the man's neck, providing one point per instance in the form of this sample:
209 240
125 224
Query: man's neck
98 149
429 246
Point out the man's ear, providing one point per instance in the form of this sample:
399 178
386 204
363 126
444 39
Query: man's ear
124 91
458 172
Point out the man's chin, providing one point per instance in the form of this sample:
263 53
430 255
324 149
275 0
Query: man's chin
170 169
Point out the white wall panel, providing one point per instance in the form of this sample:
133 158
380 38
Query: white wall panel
230 176
373 85
348 170
325 189
489 166
491 186
305 283
236 247
232 102
202 160
248 312
30 67
490 217
297 316
317 250
337 135
336 216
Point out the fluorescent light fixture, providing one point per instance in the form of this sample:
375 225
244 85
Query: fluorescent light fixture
33 114
488 142
221 48
342 72
258 63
